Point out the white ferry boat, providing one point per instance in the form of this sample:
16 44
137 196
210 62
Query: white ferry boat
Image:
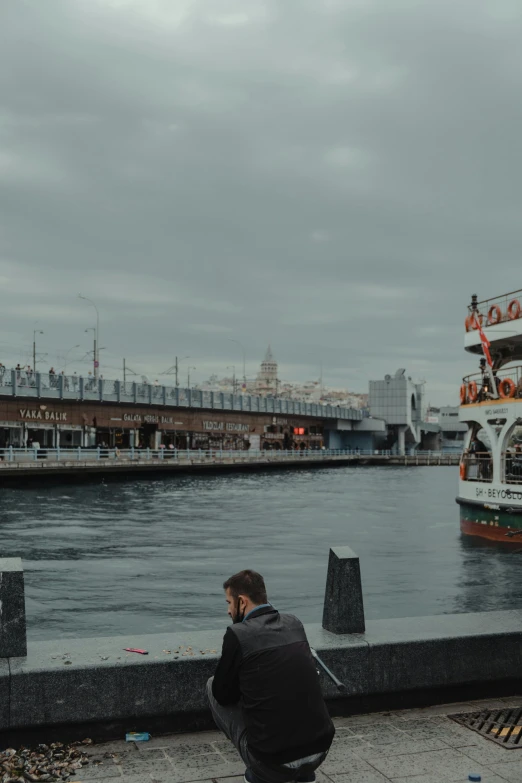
490 485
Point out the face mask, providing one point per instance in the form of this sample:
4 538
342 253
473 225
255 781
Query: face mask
239 614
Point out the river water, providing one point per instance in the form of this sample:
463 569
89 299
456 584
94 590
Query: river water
151 556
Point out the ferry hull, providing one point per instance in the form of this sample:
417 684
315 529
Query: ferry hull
492 524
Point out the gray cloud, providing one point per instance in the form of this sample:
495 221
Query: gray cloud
334 177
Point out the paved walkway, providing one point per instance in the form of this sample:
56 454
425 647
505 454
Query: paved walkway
410 746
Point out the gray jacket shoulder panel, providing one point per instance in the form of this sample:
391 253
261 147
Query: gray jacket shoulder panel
268 631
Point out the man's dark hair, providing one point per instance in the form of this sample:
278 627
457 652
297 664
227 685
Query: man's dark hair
248 583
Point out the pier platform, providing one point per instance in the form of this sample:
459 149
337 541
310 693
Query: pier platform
84 463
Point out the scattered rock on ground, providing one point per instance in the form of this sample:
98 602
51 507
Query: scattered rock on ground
56 761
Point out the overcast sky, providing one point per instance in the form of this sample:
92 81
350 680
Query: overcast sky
335 177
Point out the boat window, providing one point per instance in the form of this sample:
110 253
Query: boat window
514 439
480 433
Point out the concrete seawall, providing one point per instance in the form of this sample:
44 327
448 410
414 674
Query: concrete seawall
76 686
403 662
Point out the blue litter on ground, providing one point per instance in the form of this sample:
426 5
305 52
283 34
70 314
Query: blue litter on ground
137 736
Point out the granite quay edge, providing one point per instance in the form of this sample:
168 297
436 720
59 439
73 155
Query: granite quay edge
12 608
4 693
94 680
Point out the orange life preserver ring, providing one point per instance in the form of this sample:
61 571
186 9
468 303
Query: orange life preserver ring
513 309
510 391
462 472
463 394
494 314
475 320
472 391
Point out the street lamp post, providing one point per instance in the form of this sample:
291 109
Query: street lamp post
174 370
96 336
93 329
188 375
233 368
244 358
35 332
66 356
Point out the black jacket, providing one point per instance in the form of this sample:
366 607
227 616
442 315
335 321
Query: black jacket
266 662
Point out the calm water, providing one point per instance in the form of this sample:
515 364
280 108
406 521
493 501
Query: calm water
150 556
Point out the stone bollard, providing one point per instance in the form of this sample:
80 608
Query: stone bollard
13 640
343 600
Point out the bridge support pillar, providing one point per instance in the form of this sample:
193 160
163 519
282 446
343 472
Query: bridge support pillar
13 639
402 440
343 600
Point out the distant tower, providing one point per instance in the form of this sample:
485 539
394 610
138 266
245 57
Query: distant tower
267 375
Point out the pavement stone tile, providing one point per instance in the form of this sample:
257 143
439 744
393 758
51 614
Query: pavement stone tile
321 777
378 735
145 778
345 741
234 759
347 764
450 733
444 762
154 768
512 701
387 718
207 760
437 709
157 754
370 776
486 775
510 771
405 747
223 745
181 751
492 754
486 704
340 753
118 746
103 772
167 740
235 779
205 773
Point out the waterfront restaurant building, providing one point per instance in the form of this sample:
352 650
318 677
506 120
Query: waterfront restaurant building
69 424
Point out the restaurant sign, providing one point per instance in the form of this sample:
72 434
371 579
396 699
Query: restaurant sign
42 415
229 426
148 419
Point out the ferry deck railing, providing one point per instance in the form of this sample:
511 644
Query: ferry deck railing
27 385
501 301
484 383
478 467
512 466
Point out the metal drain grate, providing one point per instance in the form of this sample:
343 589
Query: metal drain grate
502 726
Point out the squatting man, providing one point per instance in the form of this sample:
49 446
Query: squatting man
265 694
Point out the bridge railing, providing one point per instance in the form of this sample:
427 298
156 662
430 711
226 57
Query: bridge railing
22 383
82 454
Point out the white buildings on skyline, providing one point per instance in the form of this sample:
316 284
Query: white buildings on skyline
268 384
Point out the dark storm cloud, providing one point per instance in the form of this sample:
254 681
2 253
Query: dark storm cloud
334 177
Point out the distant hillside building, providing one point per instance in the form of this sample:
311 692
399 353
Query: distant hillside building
267 379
